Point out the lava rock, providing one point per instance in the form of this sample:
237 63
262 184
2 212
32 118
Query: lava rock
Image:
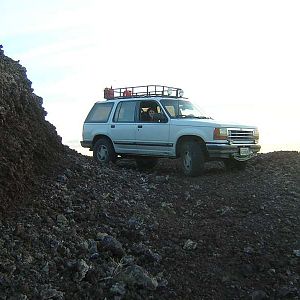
81 269
48 292
296 252
118 289
136 275
190 245
287 292
61 220
248 250
146 253
259 295
109 243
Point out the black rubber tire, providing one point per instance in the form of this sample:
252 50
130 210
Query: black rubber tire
104 152
192 158
146 163
231 164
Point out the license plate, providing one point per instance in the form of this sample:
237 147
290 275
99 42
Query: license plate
244 151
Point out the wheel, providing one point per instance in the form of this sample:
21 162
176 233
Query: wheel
232 164
146 163
104 152
192 158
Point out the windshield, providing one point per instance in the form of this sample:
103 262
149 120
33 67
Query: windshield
182 109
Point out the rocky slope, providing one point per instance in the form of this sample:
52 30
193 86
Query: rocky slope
91 232
28 143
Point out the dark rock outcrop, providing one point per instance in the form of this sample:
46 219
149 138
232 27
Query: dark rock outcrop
28 143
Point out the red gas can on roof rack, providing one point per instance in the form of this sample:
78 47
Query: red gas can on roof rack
127 93
109 93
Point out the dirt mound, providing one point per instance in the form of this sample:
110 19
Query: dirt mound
28 143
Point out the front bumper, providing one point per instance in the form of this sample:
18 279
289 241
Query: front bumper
86 144
232 150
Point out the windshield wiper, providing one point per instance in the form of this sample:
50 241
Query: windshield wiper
192 116
201 117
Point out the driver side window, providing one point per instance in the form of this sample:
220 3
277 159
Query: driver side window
150 111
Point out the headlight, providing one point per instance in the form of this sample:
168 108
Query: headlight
220 134
256 134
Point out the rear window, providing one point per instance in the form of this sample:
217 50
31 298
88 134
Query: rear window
125 112
99 113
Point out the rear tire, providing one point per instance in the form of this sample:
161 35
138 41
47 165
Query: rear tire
192 158
104 152
146 163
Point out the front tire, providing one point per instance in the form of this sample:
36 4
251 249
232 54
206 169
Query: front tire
103 152
192 158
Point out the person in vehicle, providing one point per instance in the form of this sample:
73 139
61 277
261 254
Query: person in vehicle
151 112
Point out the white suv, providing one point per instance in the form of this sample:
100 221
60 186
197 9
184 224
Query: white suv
150 122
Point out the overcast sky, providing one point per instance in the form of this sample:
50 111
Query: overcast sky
239 60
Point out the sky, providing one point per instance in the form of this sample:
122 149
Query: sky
238 60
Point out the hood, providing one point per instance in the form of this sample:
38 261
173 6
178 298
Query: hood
209 123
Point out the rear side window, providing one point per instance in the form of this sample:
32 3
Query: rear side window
99 113
125 112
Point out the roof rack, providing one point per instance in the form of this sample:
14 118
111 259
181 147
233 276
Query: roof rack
143 91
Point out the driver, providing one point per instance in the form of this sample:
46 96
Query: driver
151 112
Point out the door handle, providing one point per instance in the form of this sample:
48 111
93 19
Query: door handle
112 126
140 126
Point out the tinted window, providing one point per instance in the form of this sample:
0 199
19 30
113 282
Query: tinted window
99 113
125 112
150 111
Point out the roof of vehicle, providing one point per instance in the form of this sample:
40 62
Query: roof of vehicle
146 91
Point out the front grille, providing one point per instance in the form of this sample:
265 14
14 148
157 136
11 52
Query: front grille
237 135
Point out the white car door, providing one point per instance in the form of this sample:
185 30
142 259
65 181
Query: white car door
122 129
153 139
152 136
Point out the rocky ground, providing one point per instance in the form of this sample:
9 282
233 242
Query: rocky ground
77 230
